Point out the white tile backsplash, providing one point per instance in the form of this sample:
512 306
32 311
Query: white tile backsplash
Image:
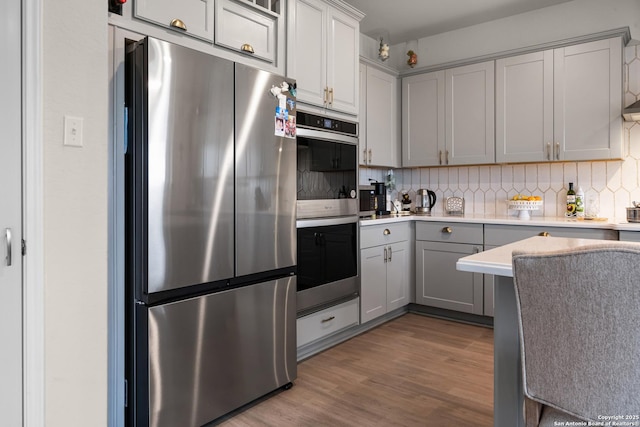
609 186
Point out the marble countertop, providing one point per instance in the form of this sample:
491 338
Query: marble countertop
610 224
498 261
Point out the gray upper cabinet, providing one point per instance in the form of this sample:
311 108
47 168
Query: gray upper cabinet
588 100
323 53
423 135
190 17
379 116
524 107
247 29
448 117
561 104
469 116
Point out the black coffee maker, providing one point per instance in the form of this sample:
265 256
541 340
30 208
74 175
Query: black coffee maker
379 197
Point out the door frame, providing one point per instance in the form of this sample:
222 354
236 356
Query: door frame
32 217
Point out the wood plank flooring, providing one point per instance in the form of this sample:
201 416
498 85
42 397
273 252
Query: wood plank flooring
411 371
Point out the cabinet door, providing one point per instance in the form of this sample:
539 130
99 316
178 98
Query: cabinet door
362 117
469 117
343 47
237 24
382 123
197 15
423 135
397 275
588 100
373 283
439 284
306 59
524 108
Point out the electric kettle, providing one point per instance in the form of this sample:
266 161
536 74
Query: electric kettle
425 200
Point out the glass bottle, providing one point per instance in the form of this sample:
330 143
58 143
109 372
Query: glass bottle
571 201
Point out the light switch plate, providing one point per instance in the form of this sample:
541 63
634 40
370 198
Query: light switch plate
73 131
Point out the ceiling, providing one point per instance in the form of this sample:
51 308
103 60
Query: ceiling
402 20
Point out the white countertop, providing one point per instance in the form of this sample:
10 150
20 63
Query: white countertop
498 261
610 224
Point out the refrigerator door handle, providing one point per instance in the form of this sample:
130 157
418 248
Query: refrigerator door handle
7 233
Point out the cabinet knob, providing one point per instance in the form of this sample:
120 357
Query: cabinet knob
439 156
369 155
390 253
447 230
386 232
247 48
178 23
548 151
331 96
544 234
557 151
325 96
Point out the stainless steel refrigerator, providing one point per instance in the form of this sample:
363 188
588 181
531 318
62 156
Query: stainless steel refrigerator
210 235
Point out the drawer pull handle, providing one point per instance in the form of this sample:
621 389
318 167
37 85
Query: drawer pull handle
178 23
447 230
247 48
386 232
328 319
544 234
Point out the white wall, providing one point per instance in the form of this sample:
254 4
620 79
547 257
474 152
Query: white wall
75 214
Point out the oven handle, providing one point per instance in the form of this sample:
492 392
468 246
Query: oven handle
325 135
321 222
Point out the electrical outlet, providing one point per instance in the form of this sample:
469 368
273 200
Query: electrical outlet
73 131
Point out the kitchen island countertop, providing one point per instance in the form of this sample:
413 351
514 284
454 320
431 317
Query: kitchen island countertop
508 389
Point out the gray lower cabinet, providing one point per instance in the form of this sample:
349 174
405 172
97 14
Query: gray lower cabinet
439 245
630 236
384 269
497 235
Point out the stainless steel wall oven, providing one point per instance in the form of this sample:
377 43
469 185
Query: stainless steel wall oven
327 211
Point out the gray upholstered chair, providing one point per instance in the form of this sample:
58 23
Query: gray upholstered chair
579 319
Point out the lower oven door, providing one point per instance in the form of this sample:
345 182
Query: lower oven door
327 261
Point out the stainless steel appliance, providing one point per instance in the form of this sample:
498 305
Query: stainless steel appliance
368 201
327 163
210 236
327 212
373 199
425 201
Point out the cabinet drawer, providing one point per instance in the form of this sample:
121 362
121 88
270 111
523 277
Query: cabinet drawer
326 322
238 24
375 235
454 232
498 235
193 18
630 236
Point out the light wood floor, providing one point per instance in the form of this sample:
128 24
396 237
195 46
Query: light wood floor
411 371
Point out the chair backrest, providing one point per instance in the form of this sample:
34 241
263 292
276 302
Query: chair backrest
579 319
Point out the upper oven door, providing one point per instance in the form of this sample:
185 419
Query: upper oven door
327 174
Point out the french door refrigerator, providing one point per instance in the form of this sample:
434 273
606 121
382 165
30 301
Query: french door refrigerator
210 235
